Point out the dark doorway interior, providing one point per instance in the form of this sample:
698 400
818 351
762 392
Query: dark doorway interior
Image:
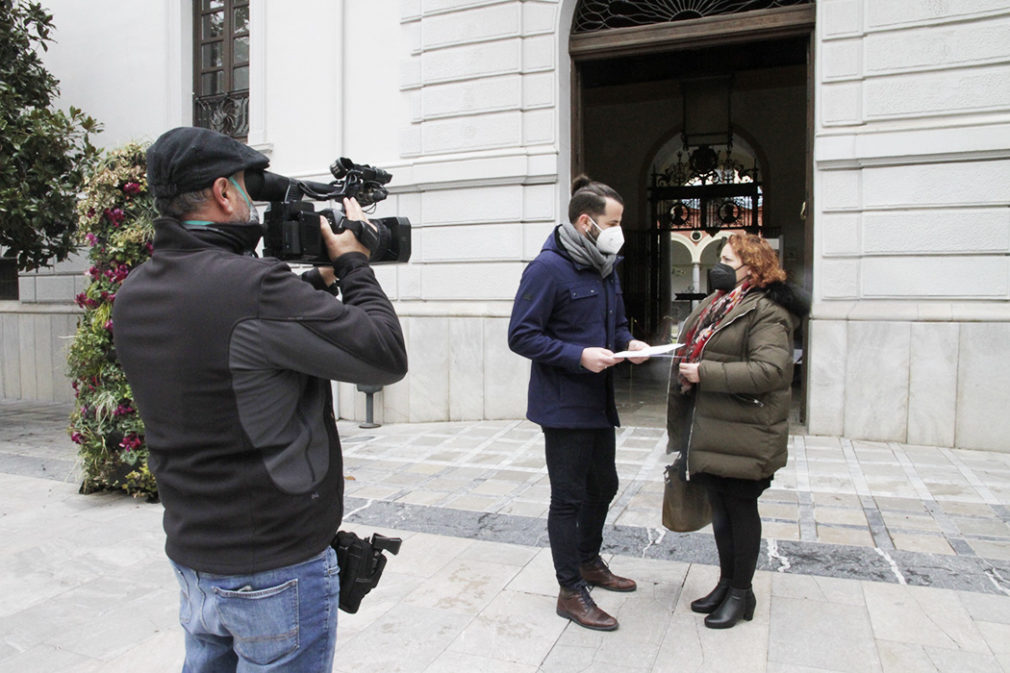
629 108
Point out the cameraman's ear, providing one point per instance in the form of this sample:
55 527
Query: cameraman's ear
221 193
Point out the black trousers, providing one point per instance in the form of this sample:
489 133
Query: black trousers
737 527
583 476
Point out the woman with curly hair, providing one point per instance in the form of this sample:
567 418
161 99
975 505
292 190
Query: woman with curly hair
728 407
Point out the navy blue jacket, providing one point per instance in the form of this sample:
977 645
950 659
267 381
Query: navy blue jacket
561 308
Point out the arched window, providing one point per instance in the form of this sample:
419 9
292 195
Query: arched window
707 188
595 15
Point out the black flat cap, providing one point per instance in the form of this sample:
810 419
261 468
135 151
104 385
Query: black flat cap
188 158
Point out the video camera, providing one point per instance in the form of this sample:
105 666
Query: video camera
292 225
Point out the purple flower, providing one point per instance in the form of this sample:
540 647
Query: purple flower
115 216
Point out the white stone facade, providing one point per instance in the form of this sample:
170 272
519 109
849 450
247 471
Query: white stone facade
468 104
910 335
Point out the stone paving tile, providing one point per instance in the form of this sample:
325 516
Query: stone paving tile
839 515
991 549
930 544
454 603
845 536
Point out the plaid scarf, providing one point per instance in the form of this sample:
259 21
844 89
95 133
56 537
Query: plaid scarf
696 337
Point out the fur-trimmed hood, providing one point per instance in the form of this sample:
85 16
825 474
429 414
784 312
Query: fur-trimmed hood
791 297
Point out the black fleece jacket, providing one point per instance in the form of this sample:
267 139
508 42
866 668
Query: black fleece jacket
230 359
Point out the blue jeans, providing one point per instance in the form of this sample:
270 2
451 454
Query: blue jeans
277 620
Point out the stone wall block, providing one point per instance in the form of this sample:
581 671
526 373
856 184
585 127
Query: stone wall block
937 47
29 356
954 183
842 59
539 53
837 279
840 190
396 397
10 359
876 380
429 364
947 277
506 375
940 230
471 243
539 17
476 204
840 233
539 90
489 94
538 127
466 368
826 378
480 24
481 132
839 18
490 281
841 103
983 396
895 13
932 384
943 92
539 203
54 289
476 60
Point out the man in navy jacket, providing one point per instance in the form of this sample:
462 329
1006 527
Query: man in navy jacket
568 318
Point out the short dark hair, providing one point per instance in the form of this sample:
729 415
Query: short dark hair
180 205
590 197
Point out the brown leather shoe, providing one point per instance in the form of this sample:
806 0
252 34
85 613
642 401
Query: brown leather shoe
578 606
598 574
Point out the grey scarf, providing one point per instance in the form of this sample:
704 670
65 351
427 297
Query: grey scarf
584 251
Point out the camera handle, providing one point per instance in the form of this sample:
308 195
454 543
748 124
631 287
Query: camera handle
369 235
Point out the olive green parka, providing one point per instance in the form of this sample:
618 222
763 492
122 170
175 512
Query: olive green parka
735 422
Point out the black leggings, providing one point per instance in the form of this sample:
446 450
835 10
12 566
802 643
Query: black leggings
737 527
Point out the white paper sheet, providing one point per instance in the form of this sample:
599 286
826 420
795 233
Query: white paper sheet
664 350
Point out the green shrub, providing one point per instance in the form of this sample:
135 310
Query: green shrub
115 222
44 152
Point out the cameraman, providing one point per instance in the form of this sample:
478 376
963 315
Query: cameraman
230 359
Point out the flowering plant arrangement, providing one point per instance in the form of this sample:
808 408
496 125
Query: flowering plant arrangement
115 219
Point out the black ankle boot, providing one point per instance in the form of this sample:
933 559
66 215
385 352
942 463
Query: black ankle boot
709 603
738 604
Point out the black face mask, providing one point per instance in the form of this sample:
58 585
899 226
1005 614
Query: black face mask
721 277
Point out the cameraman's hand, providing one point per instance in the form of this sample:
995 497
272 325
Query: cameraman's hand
345 241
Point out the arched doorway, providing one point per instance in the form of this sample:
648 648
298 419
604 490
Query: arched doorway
711 80
695 192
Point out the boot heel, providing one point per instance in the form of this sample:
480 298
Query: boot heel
751 604
738 604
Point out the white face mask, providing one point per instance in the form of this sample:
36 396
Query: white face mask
610 240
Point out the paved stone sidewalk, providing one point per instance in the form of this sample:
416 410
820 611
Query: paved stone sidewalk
853 562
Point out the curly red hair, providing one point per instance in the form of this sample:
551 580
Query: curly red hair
756 253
